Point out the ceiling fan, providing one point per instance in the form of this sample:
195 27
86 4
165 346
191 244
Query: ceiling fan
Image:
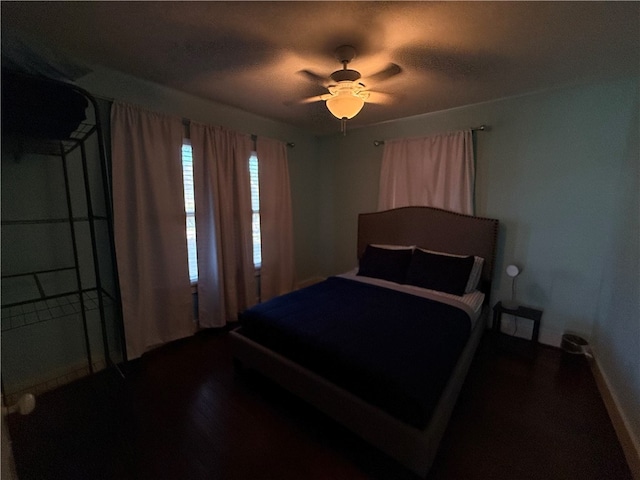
347 92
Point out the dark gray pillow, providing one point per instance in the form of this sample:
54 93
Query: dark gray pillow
439 272
385 264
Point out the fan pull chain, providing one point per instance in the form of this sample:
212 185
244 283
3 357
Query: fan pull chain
343 126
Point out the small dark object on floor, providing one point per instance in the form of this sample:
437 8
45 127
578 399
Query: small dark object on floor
574 344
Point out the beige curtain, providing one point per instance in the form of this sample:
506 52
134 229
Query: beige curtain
436 171
277 272
226 279
149 223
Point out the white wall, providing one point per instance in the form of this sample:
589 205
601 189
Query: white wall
547 169
559 170
616 332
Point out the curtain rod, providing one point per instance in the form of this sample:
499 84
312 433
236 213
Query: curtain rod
254 137
481 128
185 121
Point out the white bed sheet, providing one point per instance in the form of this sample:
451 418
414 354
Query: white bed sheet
471 303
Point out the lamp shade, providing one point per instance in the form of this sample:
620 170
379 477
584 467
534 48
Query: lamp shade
513 271
344 105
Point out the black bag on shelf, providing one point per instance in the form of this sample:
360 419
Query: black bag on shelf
39 108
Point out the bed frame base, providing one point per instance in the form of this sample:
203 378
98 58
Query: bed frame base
411 447
426 227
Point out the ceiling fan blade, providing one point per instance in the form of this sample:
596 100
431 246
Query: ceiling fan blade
389 71
315 78
315 98
380 98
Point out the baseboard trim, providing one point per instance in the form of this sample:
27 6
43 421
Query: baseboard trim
630 444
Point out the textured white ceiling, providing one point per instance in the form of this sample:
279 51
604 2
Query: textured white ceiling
249 54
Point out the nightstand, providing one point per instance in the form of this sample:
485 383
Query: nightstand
523 312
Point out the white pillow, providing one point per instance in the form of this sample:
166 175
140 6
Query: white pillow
394 247
476 269
474 276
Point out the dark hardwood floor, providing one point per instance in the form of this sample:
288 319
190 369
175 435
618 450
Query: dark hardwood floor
183 412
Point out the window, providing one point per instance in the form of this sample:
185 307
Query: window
190 209
255 208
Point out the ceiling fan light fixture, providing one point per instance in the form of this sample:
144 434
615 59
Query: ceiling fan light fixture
347 94
344 105
346 99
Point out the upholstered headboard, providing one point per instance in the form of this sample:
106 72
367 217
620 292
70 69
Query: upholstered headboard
433 229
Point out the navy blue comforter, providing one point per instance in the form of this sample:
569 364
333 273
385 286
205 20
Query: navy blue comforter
392 349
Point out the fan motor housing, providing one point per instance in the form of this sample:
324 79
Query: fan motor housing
345 74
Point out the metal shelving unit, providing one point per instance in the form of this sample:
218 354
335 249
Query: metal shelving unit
53 283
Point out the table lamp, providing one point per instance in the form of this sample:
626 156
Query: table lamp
513 271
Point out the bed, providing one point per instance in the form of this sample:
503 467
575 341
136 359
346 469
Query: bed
384 349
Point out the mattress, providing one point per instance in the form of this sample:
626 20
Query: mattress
393 349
